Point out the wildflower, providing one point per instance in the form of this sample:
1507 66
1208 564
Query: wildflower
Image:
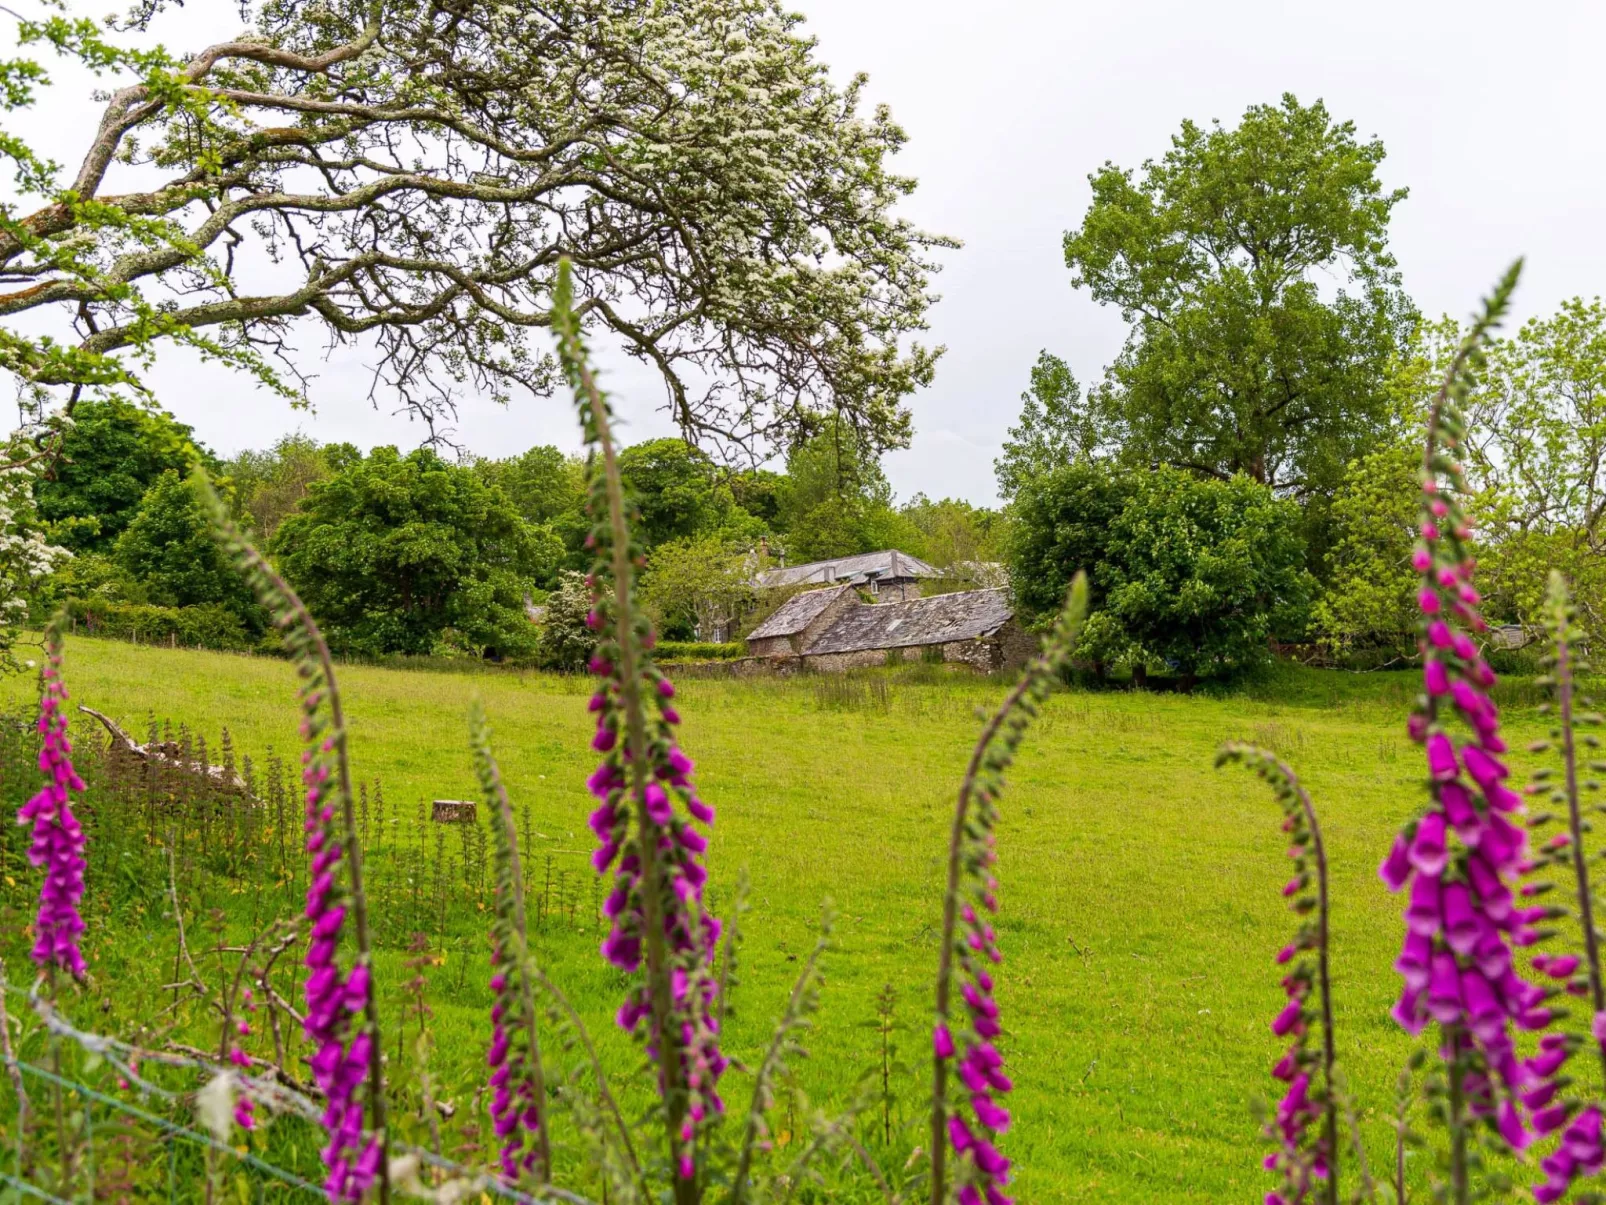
57 845
340 1019
1298 1159
1456 961
645 840
969 950
518 1091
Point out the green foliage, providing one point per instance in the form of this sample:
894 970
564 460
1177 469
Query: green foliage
206 626
836 501
543 483
1371 597
1055 428
269 485
698 586
1062 521
410 554
950 532
1200 573
698 650
1236 361
170 551
678 494
1537 457
566 641
110 455
1188 571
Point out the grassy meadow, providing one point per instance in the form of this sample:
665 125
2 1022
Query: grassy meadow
1140 904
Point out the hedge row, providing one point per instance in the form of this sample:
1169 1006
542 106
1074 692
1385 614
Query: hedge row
208 626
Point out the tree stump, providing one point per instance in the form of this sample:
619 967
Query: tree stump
453 811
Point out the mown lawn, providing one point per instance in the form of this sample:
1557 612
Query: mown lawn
1140 905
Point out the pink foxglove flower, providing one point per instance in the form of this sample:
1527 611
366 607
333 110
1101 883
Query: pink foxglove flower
341 1020
647 841
1463 854
57 846
1300 1159
965 1043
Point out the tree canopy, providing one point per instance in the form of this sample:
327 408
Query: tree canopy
1239 360
410 554
170 549
1055 427
110 455
413 177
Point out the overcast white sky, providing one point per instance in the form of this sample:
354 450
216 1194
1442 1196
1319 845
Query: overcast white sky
1491 113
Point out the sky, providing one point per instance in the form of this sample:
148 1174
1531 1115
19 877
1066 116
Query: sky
1490 113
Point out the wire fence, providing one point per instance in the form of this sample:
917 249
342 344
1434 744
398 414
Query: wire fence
86 1113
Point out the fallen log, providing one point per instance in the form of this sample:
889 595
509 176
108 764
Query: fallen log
171 756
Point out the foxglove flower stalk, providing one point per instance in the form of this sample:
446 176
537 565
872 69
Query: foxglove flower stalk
1300 1161
647 803
244 1106
1563 855
969 1127
342 1020
57 846
1460 857
517 1086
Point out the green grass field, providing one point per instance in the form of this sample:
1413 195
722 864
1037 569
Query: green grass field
1140 906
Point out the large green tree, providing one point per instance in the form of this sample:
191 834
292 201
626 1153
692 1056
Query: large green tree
1224 254
410 554
1200 573
110 455
414 173
1536 450
171 551
544 483
680 494
269 485
835 499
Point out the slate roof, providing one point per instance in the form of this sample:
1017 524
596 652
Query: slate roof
934 620
797 612
884 565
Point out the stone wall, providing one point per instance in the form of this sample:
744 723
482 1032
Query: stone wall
978 652
1018 646
834 663
771 646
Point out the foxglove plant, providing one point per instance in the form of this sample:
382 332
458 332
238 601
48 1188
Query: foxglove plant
647 802
970 1127
57 845
1462 920
342 1019
1579 1152
1300 1161
518 1089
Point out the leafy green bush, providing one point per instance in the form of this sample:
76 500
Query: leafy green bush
207 626
699 650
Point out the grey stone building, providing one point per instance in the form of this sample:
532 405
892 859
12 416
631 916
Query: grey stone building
834 629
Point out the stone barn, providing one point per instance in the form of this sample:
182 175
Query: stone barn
833 629
889 574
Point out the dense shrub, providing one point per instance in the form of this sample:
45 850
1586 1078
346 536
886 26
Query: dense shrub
207 626
699 650
1190 572
169 550
405 554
